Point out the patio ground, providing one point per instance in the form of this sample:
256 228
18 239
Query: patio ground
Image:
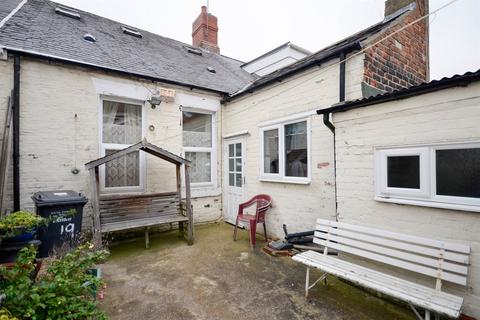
217 278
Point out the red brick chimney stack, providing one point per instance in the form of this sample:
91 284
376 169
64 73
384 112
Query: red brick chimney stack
402 60
205 31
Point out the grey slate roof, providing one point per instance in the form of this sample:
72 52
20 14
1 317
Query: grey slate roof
346 45
36 28
7 6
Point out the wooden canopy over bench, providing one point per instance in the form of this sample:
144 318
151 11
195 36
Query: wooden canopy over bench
117 212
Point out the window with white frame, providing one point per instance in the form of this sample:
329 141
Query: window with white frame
445 175
121 127
198 145
285 152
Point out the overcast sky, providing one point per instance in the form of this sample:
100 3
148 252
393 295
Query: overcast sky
249 28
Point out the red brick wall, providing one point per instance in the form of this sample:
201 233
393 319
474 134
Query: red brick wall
205 31
402 60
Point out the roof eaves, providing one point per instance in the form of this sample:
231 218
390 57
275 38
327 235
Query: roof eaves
105 68
427 87
253 87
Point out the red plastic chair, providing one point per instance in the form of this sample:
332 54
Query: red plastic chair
263 203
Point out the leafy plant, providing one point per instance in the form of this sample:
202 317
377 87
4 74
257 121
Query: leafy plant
19 222
65 291
6 315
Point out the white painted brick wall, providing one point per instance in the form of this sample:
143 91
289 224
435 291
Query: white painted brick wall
298 206
51 144
442 116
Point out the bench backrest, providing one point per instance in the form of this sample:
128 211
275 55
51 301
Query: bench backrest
437 259
118 208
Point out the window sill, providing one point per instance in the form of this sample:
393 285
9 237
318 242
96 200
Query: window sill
432 204
303 181
202 192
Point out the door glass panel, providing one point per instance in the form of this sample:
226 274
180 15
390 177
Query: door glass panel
238 166
238 179
238 148
231 164
231 150
403 172
231 179
458 172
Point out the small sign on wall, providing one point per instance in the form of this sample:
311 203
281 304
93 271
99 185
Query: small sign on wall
167 95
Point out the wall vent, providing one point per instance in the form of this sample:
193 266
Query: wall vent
131 31
67 12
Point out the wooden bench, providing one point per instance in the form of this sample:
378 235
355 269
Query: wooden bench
124 212
441 260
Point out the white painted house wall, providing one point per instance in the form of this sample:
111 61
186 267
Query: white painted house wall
53 141
449 115
273 61
297 205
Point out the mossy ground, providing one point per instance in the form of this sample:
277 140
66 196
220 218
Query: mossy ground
218 278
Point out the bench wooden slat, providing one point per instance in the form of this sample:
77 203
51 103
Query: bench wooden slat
437 253
126 196
115 203
389 280
395 262
415 258
136 216
140 223
156 207
436 301
398 236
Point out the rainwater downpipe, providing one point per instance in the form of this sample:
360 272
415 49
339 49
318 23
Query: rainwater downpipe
16 132
329 125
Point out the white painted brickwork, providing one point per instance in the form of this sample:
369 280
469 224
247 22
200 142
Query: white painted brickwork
53 141
450 115
298 206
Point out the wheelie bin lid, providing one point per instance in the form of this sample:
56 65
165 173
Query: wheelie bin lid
58 197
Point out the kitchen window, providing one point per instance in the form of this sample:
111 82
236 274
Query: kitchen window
285 152
445 175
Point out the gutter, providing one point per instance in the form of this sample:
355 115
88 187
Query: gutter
436 85
16 133
52 58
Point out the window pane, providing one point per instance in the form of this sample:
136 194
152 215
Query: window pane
296 162
124 171
403 172
458 172
231 179
231 150
200 166
270 151
231 165
197 129
122 123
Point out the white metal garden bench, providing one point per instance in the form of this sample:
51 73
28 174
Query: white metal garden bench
441 260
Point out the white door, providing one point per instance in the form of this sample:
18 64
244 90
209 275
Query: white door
234 182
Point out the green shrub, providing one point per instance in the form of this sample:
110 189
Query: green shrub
65 291
19 222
